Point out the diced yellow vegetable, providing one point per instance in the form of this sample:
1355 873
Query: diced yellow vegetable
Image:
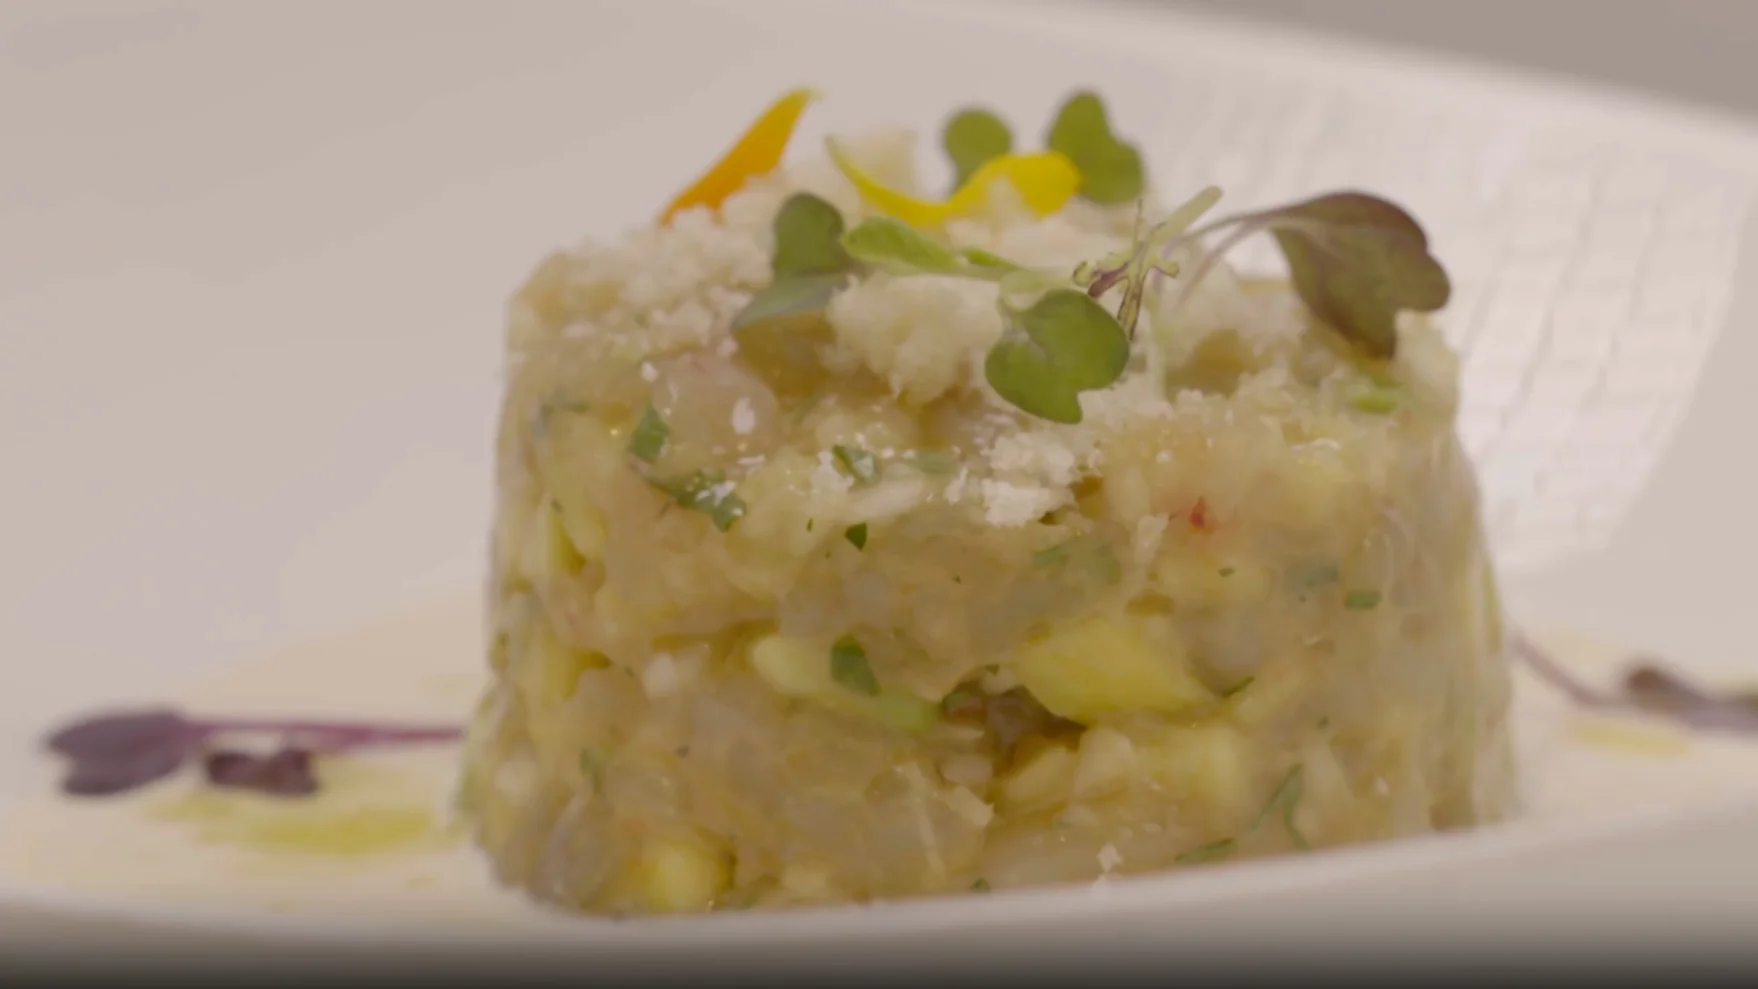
1046 181
1042 778
682 873
1205 764
757 152
903 711
576 458
799 666
1103 666
793 666
549 671
1107 762
548 551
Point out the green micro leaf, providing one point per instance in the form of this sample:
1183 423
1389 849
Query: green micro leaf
1059 346
1357 261
809 264
808 237
647 443
891 245
1111 169
790 298
850 669
973 137
938 462
987 260
980 886
856 535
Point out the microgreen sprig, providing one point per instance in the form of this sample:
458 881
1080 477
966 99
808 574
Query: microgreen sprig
1355 260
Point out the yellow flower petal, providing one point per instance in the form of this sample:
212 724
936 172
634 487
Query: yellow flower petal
757 152
1046 181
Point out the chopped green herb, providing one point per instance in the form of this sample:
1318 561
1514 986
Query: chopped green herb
648 441
1053 556
1111 170
891 245
1377 401
1226 571
810 523
727 510
850 669
973 138
708 492
856 535
1207 853
934 461
980 886
549 410
1324 723
1361 600
592 763
1239 687
1061 345
1282 801
858 462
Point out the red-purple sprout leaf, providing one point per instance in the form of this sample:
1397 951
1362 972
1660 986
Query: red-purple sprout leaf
103 776
284 773
122 733
113 752
1357 261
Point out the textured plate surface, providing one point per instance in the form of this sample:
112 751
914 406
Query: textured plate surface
253 259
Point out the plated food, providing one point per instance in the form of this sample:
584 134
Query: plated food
855 541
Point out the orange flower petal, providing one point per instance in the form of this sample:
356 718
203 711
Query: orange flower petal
757 152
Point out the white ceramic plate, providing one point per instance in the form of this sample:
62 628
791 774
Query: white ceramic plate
251 278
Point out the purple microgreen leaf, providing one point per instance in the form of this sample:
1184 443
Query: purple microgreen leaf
116 751
1357 261
285 773
103 776
120 733
1646 689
